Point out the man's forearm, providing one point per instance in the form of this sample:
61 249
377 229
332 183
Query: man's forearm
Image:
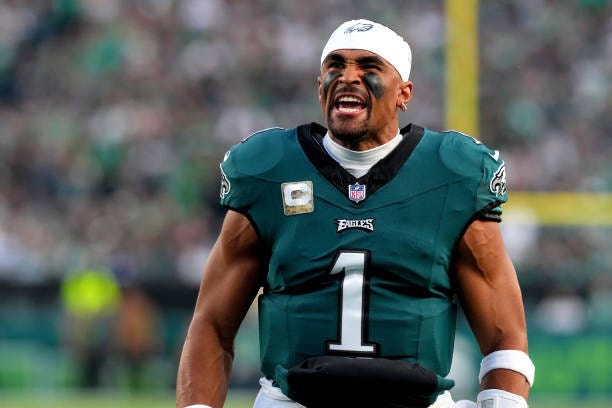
204 369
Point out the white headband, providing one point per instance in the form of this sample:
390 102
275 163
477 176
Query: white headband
374 37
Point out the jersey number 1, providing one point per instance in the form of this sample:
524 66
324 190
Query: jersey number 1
353 305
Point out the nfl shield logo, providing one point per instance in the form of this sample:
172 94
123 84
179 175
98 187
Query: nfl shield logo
357 192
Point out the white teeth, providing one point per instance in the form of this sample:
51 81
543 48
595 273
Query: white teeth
349 110
349 99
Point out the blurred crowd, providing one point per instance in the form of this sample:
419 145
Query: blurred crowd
114 115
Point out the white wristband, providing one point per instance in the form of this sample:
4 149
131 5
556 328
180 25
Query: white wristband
198 406
514 360
493 398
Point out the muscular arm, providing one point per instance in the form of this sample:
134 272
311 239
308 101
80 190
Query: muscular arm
231 279
489 292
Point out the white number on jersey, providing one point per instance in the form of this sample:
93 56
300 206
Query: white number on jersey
353 311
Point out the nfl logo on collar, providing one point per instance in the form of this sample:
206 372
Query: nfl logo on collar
357 192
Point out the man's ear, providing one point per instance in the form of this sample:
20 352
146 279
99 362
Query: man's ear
405 94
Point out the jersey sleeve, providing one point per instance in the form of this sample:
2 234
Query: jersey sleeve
230 183
246 167
492 189
238 186
483 167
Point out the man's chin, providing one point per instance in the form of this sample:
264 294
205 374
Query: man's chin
347 136
344 130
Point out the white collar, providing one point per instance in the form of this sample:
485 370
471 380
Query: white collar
359 163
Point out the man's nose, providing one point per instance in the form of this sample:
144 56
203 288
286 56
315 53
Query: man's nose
350 75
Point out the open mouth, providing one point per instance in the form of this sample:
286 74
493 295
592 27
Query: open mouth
349 104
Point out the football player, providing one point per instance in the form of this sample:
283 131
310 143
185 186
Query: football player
364 237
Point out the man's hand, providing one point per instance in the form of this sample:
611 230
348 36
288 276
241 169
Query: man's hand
464 404
493 398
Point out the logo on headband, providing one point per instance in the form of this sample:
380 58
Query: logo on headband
359 27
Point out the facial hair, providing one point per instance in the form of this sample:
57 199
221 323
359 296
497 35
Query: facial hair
346 130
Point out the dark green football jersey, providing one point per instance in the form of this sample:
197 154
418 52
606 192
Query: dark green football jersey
359 266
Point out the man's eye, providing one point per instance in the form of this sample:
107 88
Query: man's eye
371 67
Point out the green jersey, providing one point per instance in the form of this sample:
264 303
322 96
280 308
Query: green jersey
360 266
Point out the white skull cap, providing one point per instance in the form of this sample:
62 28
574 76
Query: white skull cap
374 37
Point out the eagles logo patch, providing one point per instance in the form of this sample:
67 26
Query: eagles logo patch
497 185
359 27
225 184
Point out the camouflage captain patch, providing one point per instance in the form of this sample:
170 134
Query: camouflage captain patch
298 197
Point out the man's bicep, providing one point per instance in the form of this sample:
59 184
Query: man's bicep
232 276
488 289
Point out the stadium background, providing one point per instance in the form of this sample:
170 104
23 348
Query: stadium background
114 116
